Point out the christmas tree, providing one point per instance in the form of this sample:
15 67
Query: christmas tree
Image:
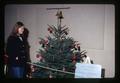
58 54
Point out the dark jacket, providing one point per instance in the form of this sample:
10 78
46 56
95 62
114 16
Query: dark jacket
16 48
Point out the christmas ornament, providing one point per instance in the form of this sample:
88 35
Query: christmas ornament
46 41
74 61
66 33
50 29
38 55
74 57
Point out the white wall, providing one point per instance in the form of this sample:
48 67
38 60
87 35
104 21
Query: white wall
93 25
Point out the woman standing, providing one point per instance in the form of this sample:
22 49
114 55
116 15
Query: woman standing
17 53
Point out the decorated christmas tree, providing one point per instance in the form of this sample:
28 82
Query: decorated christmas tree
58 54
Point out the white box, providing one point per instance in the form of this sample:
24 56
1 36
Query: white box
87 70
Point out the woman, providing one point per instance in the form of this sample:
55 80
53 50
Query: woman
17 53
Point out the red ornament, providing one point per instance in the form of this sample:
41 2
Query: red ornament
66 32
74 57
50 31
46 41
74 61
40 58
38 55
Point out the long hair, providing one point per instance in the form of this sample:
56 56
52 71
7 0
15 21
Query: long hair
15 28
